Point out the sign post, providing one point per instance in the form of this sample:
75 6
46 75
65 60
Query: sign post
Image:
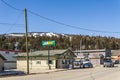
49 57
49 43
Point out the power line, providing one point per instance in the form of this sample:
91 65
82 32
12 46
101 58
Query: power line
61 23
14 24
67 25
9 24
14 8
11 6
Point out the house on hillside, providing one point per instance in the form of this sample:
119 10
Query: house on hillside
2 60
39 60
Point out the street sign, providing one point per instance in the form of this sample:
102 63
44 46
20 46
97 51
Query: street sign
49 43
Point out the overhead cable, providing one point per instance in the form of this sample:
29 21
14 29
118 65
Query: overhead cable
11 6
14 24
9 24
61 23
70 26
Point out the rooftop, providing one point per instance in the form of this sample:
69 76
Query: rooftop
44 52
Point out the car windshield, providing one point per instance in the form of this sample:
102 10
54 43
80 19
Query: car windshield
108 61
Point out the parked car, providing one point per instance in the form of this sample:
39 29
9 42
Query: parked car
77 64
116 61
86 64
108 63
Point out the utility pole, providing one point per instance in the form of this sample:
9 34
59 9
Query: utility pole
26 27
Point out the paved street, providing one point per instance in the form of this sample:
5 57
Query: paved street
98 73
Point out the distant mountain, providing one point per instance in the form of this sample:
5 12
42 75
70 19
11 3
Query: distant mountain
64 41
50 34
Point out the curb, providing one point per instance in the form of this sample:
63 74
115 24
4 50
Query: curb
17 74
46 72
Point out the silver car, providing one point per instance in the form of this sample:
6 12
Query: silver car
108 63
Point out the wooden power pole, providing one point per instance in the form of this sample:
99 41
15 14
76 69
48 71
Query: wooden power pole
26 27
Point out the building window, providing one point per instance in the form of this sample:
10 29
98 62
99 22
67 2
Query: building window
38 62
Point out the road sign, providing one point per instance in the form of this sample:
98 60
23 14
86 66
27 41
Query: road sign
48 43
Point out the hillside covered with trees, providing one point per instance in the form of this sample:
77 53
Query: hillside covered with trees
76 42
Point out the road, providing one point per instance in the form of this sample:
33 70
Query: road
97 73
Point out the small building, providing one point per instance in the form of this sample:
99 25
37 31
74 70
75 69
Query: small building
96 56
39 60
10 62
2 59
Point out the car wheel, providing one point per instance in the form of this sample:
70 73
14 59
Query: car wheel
91 66
113 66
81 66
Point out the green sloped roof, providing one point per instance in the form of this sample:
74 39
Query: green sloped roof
43 53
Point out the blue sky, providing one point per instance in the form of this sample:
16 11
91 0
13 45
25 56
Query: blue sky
100 15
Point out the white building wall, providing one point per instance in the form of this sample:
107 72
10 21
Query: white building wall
35 65
94 57
95 62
